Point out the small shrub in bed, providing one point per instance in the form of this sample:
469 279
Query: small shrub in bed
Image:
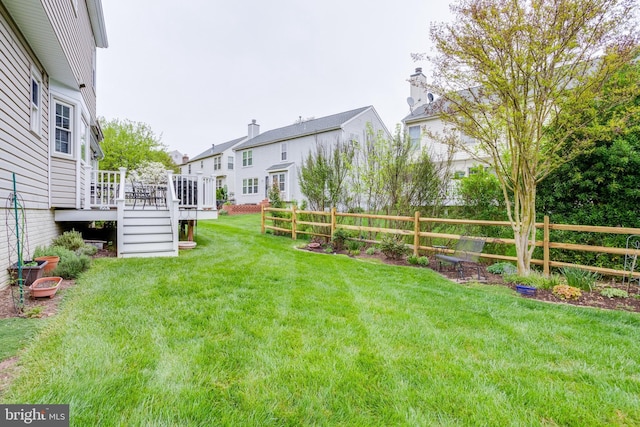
393 247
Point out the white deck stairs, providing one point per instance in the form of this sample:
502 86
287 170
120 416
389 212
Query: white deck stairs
147 233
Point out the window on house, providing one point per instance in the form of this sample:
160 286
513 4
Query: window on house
63 128
281 181
201 164
283 151
230 163
189 169
84 140
217 163
36 112
219 183
415 135
458 174
250 186
247 158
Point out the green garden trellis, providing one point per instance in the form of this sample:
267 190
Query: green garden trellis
16 225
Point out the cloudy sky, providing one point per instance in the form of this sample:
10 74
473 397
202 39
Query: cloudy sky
198 71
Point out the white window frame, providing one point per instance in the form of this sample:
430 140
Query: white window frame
219 183
250 186
283 151
85 140
70 128
415 138
217 163
230 161
247 158
35 118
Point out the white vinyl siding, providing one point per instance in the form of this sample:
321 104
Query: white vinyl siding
250 186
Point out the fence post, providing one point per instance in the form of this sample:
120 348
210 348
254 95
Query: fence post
416 233
294 235
545 242
262 218
333 221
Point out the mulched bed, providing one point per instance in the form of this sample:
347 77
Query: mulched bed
588 299
37 307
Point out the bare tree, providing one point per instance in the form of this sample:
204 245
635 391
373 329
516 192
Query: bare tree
506 70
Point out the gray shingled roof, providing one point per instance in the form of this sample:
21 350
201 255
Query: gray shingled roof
310 127
217 149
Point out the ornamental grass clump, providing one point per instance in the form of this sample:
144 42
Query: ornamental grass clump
578 278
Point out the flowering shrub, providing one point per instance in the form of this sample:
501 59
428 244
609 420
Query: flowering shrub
150 173
566 292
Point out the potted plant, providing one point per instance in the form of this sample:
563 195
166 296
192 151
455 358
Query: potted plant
526 289
45 287
31 270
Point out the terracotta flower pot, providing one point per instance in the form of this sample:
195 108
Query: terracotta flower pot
52 262
45 287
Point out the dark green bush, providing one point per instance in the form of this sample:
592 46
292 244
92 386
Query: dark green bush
72 267
71 240
393 247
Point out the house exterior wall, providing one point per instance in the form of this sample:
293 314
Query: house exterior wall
206 165
267 156
267 159
22 151
43 179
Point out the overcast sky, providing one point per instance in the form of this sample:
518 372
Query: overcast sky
198 71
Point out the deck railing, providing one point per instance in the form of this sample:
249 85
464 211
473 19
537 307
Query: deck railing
104 188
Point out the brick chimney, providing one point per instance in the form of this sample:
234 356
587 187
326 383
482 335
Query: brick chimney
254 129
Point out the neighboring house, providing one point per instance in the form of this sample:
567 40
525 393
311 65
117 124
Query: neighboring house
177 157
423 117
49 131
217 162
275 157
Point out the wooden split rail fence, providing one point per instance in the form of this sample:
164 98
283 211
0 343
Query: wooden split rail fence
328 221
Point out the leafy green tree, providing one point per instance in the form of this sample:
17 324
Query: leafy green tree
323 175
409 178
481 196
128 144
506 71
600 187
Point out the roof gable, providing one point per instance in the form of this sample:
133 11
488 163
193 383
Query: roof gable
217 149
297 130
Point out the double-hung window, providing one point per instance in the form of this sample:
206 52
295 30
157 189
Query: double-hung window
63 128
414 134
283 151
279 181
230 163
247 158
217 163
250 186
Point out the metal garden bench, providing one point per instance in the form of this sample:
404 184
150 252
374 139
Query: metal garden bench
468 251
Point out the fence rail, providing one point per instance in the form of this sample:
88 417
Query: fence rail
326 223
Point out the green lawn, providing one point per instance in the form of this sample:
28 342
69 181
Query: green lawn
247 330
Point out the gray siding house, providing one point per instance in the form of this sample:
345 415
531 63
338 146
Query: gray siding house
48 128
